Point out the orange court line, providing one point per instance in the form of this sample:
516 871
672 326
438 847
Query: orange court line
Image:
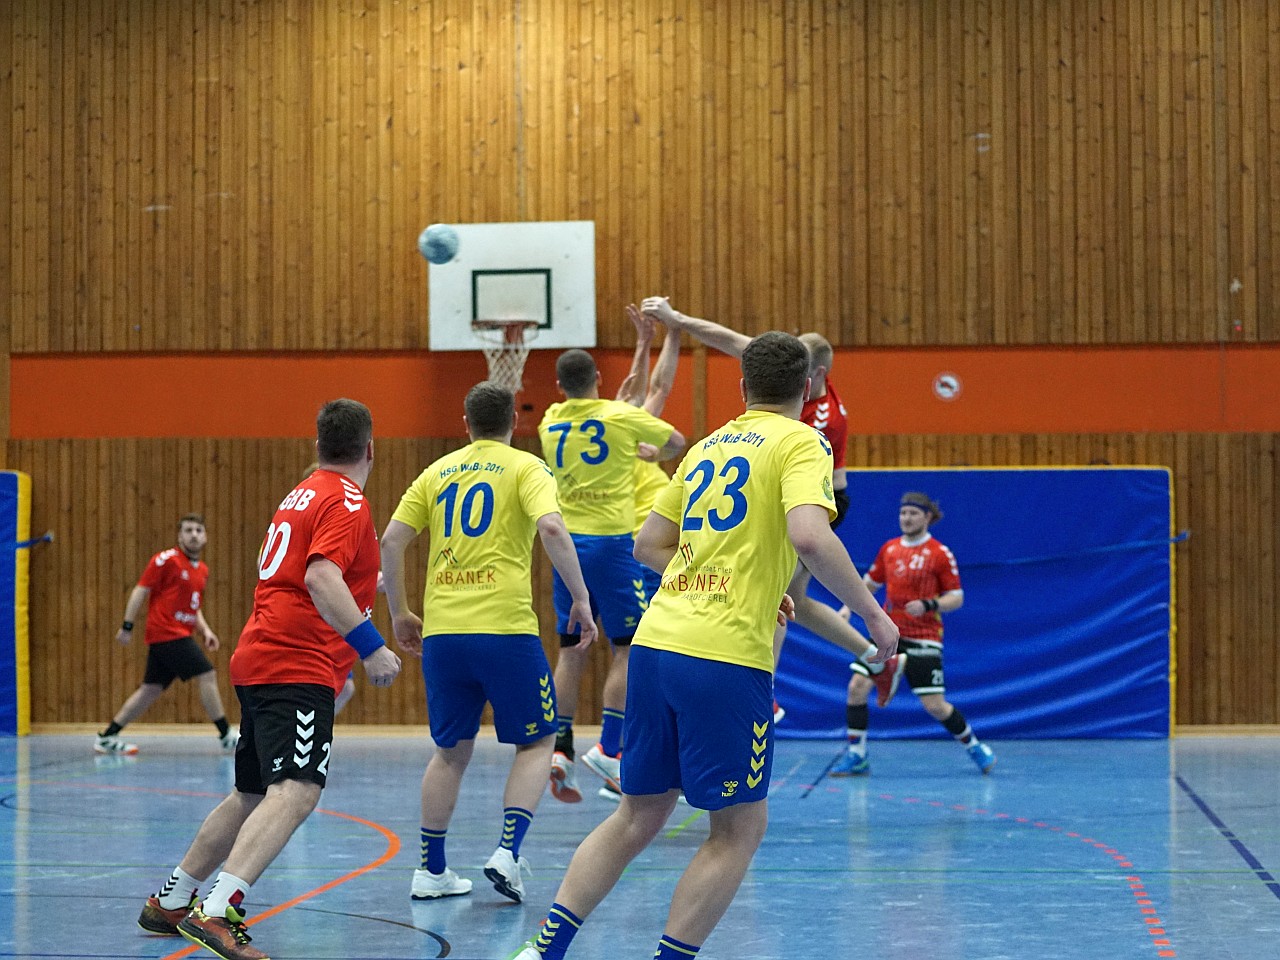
1225 388
393 847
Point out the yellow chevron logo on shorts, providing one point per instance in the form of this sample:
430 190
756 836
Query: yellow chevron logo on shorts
545 682
753 780
760 729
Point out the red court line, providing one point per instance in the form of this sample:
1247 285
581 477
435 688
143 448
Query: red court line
1154 927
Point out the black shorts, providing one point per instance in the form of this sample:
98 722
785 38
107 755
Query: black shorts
924 667
175 659
842 507
286 733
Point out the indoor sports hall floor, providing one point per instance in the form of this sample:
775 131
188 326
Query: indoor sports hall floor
1070 849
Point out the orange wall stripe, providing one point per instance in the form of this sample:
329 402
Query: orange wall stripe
1215 389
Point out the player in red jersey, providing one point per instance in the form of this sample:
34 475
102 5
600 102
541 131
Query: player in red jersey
317 575
174 583
922 582
825 413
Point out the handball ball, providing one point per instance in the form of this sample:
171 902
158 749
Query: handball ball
438 243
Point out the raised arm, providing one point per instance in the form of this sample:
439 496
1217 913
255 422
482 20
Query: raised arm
634 387
712 334
663 377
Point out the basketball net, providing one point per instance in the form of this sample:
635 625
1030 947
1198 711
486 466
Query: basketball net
505 344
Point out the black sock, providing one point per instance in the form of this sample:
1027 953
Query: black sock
856 717
222 725
564 742
112 729
958 726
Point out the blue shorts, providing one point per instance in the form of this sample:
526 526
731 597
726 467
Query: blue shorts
463 671
615 581
700 725
652 581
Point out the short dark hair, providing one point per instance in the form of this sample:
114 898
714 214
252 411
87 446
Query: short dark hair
343 431
775 367
576 371
190 518
491 409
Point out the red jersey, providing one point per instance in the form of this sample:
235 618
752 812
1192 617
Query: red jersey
826 414
916 572
177 584
286 640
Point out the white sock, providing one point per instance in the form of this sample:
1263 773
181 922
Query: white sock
224 894
177 890
857 742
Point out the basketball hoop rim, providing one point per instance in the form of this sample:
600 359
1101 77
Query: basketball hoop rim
510 332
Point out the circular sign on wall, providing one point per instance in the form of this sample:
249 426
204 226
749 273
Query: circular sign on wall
946 386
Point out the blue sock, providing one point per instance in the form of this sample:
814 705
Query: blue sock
433 851
515 823
611 731
557 932
669 948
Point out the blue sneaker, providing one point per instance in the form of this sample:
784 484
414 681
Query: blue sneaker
851 764
982 756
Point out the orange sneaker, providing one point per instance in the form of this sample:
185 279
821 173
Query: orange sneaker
228 937
564 781
156 919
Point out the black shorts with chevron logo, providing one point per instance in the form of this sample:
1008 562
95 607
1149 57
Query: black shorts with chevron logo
286 733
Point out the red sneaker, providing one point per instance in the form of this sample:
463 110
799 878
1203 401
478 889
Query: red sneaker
887 680
156 919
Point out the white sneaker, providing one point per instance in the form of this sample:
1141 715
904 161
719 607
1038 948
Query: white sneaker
528 953
114 746
230 740
609 768
503 871
431 886
564 782
608 793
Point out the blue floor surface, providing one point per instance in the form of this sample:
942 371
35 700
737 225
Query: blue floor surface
1079 850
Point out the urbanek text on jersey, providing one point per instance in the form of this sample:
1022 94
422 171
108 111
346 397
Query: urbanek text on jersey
451 578
696 582
485 467
750 437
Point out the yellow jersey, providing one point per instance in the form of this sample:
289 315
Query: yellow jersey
649 480
590 445
720 592
481 505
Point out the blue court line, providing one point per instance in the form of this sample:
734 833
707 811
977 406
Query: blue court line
1254 864
819 778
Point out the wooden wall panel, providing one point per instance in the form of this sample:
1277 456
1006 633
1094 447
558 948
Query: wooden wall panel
114 503
232 176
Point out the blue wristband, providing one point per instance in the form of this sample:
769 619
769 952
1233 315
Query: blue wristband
365 638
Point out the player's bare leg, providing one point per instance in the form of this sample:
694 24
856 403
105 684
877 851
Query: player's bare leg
441 782
956 725
610 847
217 835
139 702
270 825
713 877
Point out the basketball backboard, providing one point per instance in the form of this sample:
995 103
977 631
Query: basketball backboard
542 272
